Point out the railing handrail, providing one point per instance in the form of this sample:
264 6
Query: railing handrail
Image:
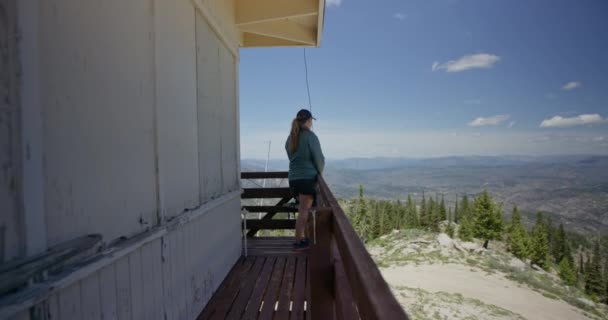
372 294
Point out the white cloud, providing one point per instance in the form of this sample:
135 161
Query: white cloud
571 85
335 3
400 16
471 61
598 139
583 119
511 124
489 121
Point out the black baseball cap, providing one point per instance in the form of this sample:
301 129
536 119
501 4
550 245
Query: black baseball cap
304 115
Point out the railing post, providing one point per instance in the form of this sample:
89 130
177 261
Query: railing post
321 268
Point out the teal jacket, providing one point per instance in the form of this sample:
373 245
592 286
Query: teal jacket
307 161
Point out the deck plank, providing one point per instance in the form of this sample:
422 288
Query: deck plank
286 287
271 273
238 270
270 297
230 292
299 287
247 284
253 307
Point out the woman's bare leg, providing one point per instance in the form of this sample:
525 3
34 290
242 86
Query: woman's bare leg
305 205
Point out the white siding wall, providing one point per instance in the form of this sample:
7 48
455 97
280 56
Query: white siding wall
140 120
9 183
177 108
172 277
97 91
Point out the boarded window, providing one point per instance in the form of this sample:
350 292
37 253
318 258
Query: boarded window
217 117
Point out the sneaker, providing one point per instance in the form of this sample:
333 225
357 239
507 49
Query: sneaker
302 245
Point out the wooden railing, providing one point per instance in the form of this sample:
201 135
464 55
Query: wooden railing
345 282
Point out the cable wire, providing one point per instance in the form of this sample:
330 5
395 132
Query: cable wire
307 83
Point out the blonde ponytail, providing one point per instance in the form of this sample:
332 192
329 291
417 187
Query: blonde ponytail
294 135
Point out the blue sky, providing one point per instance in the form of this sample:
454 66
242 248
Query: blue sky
427 78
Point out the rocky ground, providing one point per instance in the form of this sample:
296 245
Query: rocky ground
436 277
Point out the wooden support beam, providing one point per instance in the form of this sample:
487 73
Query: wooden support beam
254 11
262 193
272 224
321 268
283 29
269 216
273 209
252 40
264 175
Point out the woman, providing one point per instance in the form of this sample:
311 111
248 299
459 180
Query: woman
306 162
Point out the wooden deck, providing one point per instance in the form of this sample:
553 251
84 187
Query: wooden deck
270 283
335 279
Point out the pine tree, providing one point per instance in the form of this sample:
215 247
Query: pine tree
449 230
442 212
361 217
411 215
539 253
566 272
450 214
593 278
465 208
433 209
560 246
487 219
456 212
424 222
517 238
465 232
551 236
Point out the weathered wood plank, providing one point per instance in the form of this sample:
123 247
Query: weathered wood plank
260 193
152 284
53 307
70 303
271 295
183 292
191 254
123 289
167 270
299 287
247 285
264 175
253 307
90 294
286 289
107 289
137 286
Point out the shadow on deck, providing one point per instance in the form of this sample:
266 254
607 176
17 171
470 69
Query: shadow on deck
335 279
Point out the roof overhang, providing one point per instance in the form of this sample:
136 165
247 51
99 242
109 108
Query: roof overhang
280 23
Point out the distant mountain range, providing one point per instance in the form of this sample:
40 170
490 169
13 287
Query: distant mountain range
572 189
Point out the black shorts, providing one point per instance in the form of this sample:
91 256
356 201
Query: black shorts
303 186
